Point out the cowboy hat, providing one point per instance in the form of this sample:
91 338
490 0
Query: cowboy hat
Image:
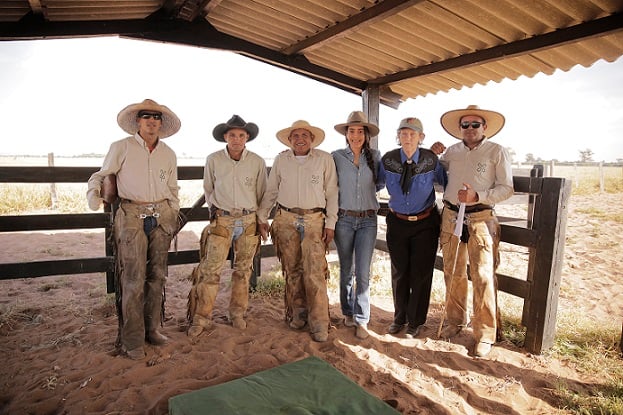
451 119
235 122
357 118
282 135
127 118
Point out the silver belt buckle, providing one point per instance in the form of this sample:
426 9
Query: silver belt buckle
151 207
236 213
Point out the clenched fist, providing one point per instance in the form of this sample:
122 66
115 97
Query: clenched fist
94 199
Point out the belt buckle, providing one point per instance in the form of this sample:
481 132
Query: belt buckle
412 218
236 213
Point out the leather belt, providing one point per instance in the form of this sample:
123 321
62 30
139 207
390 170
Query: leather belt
357 213
300 211
150 207
468 209
136 202
419 216
236 213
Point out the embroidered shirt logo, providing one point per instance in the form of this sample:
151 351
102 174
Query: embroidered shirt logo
482 168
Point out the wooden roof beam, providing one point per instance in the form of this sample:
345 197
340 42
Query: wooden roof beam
380 11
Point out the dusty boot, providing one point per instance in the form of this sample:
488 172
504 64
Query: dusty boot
156 338
321 336
198 325
135 354
299 319
319 332
238 321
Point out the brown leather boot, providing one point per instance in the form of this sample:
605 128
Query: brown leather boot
154 337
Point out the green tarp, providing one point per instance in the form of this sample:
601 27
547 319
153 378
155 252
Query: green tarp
309 386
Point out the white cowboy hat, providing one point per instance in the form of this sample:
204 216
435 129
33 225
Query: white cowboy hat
357 118
451 119
282 135
127 118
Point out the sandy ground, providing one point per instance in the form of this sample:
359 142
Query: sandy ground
57 334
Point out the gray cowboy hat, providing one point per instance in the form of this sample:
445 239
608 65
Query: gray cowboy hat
235 122
357 118
451 119
128 118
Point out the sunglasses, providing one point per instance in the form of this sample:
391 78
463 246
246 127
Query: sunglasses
146 116
474 124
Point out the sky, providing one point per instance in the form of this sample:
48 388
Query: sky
63 97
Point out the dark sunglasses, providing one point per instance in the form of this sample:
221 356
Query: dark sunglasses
474 124
146 116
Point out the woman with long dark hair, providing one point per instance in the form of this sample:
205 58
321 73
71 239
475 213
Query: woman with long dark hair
355 232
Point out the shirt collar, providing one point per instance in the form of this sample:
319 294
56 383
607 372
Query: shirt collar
415 158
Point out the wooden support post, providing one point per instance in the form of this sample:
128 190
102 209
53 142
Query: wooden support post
546 259
371 105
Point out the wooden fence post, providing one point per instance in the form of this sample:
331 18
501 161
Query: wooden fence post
601 177
53 196
545 264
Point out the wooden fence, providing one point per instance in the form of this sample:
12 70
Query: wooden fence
542 232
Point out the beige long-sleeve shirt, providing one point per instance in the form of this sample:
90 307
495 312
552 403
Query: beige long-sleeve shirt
141 176
231 184
487 168
306 184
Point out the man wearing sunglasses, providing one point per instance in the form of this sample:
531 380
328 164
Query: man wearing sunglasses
479 176
145 169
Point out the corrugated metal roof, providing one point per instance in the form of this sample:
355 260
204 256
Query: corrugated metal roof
412 47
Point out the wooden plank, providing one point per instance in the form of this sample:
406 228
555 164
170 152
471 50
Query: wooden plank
512 285
56 267
518 236
184 257
55 221
550 221
41 174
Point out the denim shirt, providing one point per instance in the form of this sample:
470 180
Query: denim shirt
357 191
421 194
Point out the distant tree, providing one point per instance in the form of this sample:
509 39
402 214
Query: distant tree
586 155
530 158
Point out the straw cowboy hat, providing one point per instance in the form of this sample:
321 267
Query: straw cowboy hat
451 119
235 122
282 135
357 118
127 118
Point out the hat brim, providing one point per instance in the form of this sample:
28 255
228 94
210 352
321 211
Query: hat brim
219 131
282 135
372 129
451 119
127 118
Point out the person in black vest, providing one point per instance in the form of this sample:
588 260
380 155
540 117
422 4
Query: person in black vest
413 224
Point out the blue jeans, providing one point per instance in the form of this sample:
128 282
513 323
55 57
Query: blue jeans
355 237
